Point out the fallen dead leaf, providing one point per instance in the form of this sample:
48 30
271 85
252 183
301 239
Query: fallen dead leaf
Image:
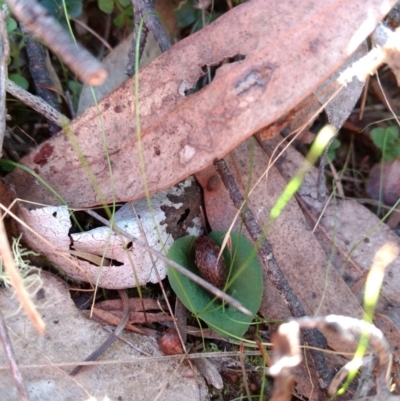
352 230
183 134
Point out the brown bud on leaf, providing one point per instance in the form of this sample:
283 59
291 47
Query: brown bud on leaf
206 259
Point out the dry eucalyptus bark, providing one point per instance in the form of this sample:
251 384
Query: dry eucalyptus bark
176 212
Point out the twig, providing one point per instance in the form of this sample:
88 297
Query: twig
12 362
113 336
145 9
37 104
4 53
37 20
244 375
198 280
151 359
313 337
40 75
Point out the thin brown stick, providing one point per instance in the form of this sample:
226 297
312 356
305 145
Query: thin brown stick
43 82
313 337
145 9
12 362
198 280
151 359
43 26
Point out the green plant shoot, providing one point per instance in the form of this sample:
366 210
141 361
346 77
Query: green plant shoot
245 284
321 141
387 140
385 255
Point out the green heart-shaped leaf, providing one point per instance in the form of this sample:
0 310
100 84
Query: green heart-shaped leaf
245 283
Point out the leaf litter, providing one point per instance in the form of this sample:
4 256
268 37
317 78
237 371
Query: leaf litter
326 293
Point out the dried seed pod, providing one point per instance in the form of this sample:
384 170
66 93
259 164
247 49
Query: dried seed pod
170 343
206 260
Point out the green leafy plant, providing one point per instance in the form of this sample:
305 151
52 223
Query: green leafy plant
387 140
188 15
19 80
15 62
56 8
124 7
245 283
332 149
107 6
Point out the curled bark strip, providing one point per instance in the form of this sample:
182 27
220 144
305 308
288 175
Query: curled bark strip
42 80
44 27
37 104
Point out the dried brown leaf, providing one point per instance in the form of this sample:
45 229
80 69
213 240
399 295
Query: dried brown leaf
289 51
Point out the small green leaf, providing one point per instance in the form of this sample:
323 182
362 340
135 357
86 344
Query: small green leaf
245 284
56 8
119 21
74 8
11 24
123 17
396 149
107 6
19 80
382 137
388 155
125 3
186 14
331 152
199 23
